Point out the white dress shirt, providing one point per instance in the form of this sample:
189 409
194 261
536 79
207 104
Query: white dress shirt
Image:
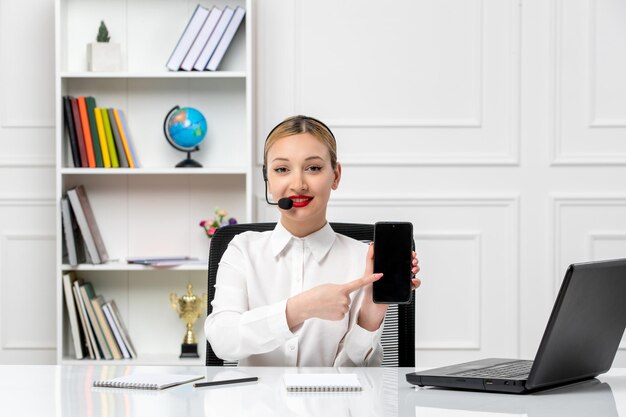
258 272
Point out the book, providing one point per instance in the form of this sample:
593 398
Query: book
190 33
129 140
84 122
214 39
78 129
117 318
90 102
119 146
120 129
87 293
77 337
147 381
322 382
106 159
71 133
201 39
87 224
226 39
90 337
71 234
147 260
108 314
107 332
110 141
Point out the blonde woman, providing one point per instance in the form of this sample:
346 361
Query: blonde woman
301 294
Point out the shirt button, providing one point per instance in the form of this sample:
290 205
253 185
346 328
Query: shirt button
292 347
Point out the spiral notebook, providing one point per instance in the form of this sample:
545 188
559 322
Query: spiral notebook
322 382
146 381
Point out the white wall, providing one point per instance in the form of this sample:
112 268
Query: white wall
497 127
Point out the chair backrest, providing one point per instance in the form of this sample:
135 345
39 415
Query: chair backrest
398 338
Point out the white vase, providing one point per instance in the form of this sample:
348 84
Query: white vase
104 57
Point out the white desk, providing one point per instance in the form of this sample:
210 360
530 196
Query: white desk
66 391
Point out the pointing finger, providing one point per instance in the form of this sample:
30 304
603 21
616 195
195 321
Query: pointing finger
361 282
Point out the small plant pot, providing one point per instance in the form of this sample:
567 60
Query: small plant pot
104 57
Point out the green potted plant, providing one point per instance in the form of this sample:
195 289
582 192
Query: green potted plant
102 55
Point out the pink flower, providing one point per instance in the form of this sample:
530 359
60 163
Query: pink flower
211 230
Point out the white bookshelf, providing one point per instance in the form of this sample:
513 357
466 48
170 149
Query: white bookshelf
153 210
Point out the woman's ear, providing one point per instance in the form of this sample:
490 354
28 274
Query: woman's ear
337 176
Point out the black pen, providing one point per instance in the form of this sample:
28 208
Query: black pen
225 381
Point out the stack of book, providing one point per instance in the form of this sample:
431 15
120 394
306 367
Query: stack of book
81 235
97 328
99 137
206 38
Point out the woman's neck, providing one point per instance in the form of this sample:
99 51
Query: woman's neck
302 229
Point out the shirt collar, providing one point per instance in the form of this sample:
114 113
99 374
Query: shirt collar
319 242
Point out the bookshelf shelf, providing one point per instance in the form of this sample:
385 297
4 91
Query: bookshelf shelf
153 74
154 209
120 266
154 171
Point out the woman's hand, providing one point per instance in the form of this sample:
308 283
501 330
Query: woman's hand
326 301
371 315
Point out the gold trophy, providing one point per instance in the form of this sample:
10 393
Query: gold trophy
189 308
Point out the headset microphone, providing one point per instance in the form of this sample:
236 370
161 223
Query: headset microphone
284 203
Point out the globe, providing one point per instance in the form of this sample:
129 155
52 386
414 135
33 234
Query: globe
184 129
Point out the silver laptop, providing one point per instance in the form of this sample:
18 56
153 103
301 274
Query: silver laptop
580 340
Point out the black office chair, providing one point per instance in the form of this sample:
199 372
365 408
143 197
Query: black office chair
398 338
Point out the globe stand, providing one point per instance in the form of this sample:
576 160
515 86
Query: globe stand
187 162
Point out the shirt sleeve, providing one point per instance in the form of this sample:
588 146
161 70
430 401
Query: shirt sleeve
360 347
233 330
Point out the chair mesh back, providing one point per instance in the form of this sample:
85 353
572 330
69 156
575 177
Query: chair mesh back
398 338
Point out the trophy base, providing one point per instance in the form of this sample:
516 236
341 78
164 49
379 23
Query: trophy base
189 350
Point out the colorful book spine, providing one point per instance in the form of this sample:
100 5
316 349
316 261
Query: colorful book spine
91 106
84 121
79 133
119 147
120 129
87 293
131 147
110 141
106 159
71 133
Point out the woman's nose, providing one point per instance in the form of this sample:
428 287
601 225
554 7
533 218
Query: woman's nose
299 182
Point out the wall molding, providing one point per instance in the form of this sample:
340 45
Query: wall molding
7 342
473 343
510 157
558 157
559 201
27 161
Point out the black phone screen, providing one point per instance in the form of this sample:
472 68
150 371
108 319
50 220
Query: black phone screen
393 246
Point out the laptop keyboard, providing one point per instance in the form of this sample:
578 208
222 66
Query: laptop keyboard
506 370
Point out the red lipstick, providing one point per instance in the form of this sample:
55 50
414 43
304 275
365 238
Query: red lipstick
300 200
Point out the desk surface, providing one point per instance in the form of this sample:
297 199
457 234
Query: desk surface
66 391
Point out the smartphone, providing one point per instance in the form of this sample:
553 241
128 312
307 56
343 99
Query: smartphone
393 255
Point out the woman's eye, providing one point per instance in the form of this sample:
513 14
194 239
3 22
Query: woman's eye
280 170
314 168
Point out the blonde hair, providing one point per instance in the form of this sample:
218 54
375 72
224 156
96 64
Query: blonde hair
302 124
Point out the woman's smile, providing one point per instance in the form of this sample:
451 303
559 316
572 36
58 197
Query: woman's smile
300 200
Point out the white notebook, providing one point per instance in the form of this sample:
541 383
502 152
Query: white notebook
146 381
322 382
